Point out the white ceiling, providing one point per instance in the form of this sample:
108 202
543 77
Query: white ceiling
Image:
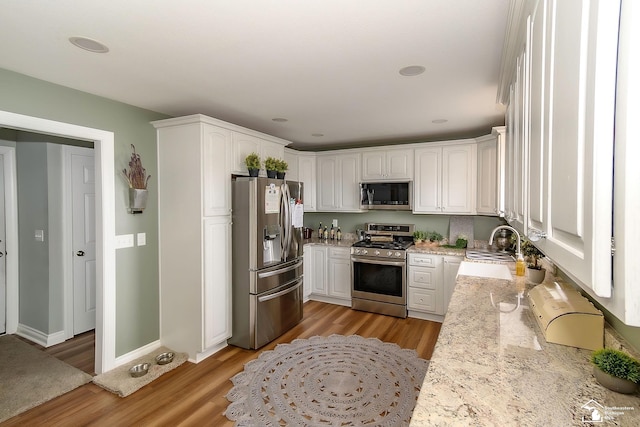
330 67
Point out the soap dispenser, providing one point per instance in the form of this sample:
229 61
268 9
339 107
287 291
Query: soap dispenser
520 266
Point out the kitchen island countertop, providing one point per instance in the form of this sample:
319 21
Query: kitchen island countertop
492 367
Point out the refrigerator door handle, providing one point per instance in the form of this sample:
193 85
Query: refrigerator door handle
283 292
285 221
280 271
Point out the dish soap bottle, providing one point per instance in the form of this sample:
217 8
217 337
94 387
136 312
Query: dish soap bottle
520 266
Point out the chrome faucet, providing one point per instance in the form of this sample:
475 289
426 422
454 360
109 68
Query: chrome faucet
507 227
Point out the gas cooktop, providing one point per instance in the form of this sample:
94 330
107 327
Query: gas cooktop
395 245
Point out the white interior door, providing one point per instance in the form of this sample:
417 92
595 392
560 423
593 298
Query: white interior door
84 239
3 269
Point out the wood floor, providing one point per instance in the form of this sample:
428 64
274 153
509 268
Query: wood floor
195 394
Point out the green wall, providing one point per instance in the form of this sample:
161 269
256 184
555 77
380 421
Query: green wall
349 222
137 298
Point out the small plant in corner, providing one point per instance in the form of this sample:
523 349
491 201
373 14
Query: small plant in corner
282 166
434 236
271 164
619 365
252 161
532 254
419 236
136 176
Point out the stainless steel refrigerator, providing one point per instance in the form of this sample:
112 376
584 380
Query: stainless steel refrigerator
267 259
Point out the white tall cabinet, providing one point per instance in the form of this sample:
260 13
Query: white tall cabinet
194 203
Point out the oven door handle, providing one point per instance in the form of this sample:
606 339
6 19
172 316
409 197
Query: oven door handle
378 261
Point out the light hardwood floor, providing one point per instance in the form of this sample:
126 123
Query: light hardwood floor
195 394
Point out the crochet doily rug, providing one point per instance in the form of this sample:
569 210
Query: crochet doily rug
333 381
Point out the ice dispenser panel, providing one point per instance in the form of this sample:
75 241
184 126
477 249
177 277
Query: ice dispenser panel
271 244
566 317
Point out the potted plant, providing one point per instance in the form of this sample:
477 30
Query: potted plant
137 179
533 255
282 169
271 165
419 237
252 161
616 370
461 241
434 238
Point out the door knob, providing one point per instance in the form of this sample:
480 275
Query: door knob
80 253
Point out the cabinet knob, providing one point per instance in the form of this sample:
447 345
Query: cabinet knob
80 253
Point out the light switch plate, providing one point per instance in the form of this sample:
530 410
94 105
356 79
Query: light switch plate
335 223
124 241
39 235
142 239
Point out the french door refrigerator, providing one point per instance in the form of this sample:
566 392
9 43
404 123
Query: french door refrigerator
267 259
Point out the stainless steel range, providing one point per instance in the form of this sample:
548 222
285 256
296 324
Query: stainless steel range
379 269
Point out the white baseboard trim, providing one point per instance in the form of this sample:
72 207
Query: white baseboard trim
139 352
39 337
208 352
425 316
330 300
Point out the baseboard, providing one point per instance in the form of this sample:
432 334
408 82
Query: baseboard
39 337
425 316
139 352
330 300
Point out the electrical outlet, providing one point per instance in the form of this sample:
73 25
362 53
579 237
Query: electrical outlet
335 223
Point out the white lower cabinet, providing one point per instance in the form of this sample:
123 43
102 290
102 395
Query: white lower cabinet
327 274
430 283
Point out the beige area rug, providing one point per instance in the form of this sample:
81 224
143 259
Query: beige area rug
119 381
328 381
29 377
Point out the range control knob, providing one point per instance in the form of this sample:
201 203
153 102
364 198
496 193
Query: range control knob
356 251
389 253
377 252
398 254
364 252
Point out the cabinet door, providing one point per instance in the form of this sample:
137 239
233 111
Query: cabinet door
291 158
216 158
271 149
327 177
399 164
319 270
451 265
348 186
581 106
339 273
243 145
486 202
217 281
307 175
373 165
458 179
428 182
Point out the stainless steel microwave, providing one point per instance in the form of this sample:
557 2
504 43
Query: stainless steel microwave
396 196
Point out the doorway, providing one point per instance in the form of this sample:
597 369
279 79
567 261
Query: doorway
104 227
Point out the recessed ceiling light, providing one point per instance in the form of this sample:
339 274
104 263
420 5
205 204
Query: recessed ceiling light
412 70
89 44
318 135
439 121
280 119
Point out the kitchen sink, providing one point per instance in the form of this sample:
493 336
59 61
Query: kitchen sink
485 269
487 255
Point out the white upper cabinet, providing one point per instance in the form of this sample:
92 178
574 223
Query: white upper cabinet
291 158
245 144
387 165
307 175
338 182
560 137
490 153
445 179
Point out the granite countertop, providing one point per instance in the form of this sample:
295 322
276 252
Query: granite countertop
436 250
492 367
344 243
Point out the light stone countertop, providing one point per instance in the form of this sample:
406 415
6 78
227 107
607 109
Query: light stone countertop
344 243
492 367
437 250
